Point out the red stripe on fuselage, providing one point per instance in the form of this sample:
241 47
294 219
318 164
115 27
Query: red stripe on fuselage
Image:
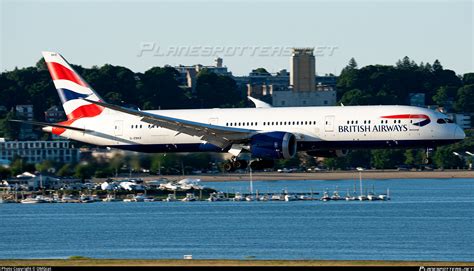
406 116
59 72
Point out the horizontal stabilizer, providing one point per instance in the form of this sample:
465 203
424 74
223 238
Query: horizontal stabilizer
45 124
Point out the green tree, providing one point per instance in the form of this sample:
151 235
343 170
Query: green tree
387 158
468 78
355 97
65 170
465 99
261 71
5 173
44 166
441 97
84 171
214 90
444 158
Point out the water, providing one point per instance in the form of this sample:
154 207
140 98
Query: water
425 220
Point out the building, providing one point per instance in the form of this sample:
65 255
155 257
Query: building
54 114
40 181
324 97
188 74
38 151
463 120
306 88
25 112
303 72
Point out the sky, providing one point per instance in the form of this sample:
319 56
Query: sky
246 34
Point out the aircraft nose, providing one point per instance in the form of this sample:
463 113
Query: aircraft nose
459 133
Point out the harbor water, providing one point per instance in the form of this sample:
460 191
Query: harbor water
426 219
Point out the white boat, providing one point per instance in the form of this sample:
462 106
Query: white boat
371 196
385 196
278 197
263 198
362 197
139 198
148 200
336 196
290 197
69 199
219 196
238 197
250 198
305 197
86 199
189 197
110 198
37 199
325 196
171 197
349 197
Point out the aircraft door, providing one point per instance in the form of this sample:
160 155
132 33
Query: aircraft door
329 124
214 121
118 128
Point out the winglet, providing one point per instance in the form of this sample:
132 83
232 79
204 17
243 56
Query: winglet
258 103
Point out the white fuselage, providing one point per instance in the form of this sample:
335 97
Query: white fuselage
333 127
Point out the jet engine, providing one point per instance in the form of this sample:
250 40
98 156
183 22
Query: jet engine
273 145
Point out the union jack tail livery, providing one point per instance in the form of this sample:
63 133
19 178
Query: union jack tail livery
72 89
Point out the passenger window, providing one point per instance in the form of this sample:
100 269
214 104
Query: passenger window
441 121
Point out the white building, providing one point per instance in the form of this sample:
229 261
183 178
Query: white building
38 151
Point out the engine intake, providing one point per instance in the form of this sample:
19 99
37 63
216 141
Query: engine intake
273 145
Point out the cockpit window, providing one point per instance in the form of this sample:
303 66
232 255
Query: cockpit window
441 121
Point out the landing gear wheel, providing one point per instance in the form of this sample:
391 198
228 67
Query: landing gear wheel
228 166
239 164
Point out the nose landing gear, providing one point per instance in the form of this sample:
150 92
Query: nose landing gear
428 160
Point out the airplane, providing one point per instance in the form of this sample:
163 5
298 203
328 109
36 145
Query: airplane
266 133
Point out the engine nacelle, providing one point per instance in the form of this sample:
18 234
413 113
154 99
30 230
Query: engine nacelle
273 145
328 153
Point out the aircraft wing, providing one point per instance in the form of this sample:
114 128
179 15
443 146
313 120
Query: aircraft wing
220 136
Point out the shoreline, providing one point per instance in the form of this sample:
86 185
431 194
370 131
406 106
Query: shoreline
171 262
327 175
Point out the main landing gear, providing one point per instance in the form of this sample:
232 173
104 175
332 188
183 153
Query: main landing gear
234 164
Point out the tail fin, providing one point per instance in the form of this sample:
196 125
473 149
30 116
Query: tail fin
71 88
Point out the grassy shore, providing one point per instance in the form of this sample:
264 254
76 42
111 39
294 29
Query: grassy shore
140 262
328 175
